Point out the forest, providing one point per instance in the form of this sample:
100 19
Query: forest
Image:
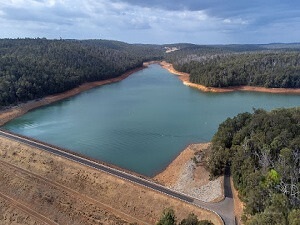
262 150
33 68
271 66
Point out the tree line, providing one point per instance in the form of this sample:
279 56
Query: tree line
169 218
33 68
263 151
276 70
271 66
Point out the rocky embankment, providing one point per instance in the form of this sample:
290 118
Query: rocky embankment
187 174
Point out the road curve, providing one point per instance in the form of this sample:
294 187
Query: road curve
223 209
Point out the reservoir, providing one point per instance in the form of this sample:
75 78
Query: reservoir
141 123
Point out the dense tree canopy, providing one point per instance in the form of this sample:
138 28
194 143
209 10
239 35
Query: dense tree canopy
234 65
263 151
277 70
262 148
33 68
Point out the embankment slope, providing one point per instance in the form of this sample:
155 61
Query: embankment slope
65 191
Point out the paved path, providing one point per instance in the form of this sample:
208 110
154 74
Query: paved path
224 208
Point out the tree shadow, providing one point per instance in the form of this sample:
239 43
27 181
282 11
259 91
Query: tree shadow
227 185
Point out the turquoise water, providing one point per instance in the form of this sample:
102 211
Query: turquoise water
141 123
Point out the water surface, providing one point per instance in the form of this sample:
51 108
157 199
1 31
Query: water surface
141 123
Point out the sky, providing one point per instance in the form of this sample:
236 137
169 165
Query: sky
154 21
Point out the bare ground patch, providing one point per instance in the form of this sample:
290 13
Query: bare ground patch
187 174
101 198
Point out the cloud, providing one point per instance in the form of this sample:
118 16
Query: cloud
174 5
206 21
42 11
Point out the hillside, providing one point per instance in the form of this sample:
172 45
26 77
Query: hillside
271 66
262 150
38 187
33 68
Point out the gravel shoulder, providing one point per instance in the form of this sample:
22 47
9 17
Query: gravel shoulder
238 205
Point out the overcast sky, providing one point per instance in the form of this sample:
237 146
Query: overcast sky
154 21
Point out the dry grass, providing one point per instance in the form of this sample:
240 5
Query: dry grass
9 214
119 201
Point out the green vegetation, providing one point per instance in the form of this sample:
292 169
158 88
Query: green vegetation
276 66
263 152
169 218
33 68
262 148
279 70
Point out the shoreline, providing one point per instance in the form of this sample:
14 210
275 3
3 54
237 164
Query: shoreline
187 174
64 190
193 179
173 172
184 77
20 109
